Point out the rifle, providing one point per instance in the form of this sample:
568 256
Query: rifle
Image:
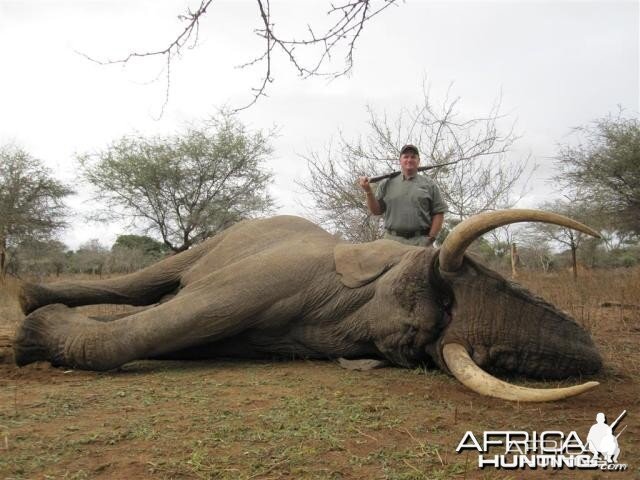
420 169
615 423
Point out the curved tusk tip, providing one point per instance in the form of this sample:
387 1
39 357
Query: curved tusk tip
472 376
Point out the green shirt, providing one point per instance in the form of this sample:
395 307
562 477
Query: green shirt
409 204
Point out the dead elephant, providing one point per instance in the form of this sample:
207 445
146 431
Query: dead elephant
283 286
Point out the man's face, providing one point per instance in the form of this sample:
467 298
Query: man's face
409 162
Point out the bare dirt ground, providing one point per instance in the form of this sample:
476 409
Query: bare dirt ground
303 419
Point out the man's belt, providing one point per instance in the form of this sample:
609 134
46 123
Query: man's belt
408 234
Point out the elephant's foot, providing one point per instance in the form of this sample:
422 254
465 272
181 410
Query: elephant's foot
32 297
65 337
42 336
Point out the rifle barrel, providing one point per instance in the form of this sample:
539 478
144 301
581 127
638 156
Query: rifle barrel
420 169
382 177
613 425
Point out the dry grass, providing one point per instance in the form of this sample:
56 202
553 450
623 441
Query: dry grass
10 313
589 291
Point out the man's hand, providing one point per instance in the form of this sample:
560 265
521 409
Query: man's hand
372 202
364 184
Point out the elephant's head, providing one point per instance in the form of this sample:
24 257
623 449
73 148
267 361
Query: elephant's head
498 326
444 306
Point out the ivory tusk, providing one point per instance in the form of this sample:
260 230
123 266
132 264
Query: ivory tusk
473 377
456 243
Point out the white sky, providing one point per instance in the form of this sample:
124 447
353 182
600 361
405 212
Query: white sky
558 64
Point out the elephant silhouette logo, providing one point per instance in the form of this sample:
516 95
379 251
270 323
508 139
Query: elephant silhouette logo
601 440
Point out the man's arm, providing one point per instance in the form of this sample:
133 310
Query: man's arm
436 225
439 207
372 202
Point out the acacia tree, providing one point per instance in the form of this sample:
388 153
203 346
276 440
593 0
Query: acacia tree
480 178
38 258
346 22
185 187
536 252
133 252
147 245
570 206
90 257
605 166
31 201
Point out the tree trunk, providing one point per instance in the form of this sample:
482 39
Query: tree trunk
3 258
514 260
574 263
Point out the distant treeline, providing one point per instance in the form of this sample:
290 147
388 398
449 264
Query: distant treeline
539 256
53 258
130 253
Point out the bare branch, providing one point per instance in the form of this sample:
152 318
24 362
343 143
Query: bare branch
350 19
481 177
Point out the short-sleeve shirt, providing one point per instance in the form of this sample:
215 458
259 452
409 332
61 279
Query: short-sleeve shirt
409 204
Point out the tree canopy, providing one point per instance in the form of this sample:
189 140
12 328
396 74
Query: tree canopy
605 167
38 258
31 200
144 243
184 187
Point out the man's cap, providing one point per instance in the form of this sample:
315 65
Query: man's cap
409 148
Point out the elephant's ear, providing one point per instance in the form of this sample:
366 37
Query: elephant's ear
361 263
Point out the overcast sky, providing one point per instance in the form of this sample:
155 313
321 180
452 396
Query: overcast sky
557 65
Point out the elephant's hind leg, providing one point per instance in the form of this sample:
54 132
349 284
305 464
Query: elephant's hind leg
145 287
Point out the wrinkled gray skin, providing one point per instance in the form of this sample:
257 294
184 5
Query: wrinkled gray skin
285 287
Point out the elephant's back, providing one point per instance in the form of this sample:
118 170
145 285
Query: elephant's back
296 235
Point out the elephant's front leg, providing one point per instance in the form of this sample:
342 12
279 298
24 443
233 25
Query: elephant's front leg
44 333
64 336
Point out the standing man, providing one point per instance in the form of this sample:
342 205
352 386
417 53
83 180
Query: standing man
412 205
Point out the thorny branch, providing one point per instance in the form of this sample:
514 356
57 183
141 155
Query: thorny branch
350 16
